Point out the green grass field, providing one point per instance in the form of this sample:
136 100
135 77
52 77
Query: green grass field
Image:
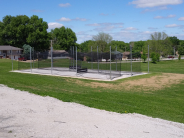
164 102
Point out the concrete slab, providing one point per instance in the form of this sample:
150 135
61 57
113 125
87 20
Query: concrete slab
91 74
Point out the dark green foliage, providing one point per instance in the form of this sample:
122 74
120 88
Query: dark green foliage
179 58
153 57
181 50
26 51
136 55
143 56
21 29
139 45
157 57
63 38
175 42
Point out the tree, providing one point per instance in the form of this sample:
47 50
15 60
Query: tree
143 56
181 50
102 40
21 29
175 42
121 46
160 43
139 45
26 52
63 38
153 57
85 46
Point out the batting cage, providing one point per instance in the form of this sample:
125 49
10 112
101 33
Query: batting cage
93 62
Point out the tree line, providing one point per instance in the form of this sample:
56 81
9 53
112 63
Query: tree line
32 31
21 29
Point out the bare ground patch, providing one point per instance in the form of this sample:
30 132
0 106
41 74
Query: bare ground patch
145 84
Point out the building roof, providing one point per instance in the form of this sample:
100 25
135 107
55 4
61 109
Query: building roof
4 47
126 53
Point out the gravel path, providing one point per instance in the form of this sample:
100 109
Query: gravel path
25 115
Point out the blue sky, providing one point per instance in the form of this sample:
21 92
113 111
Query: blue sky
124 20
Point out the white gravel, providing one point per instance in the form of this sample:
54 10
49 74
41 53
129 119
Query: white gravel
25 115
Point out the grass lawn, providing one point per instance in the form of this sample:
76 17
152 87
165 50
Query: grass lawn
157 96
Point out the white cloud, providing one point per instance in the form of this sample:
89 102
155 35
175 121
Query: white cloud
181 19
154 3
131 28
103 14
105 26
64 5
152 28
183 30
94 24
162 17
171 16
80 19
63 19
53 25
172 25
37 10
158 17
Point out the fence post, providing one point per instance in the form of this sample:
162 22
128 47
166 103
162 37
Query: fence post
11 58
73 57
33 57
148 58
131 59
116 58
30 60
91 59
98 59
76 59
51 57
110 62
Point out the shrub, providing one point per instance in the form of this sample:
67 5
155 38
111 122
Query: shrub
143 56
153 57
157 56
179 58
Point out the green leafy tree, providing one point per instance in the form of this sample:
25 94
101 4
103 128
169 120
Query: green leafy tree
160 43
153 57
63 38
175 43
102 40
181 50
139 45
121 46
21 29
86 46
26 51
143 56
157 56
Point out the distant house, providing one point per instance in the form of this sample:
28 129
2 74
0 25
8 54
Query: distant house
118 54
126 55
10 52
58 54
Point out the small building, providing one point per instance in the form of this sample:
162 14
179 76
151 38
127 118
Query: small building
118 54
10 52
126 55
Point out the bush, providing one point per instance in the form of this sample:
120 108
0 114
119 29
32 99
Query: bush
153 57
179 58
143 56
157 56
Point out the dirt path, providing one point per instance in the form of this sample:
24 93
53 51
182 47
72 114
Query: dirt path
25 115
